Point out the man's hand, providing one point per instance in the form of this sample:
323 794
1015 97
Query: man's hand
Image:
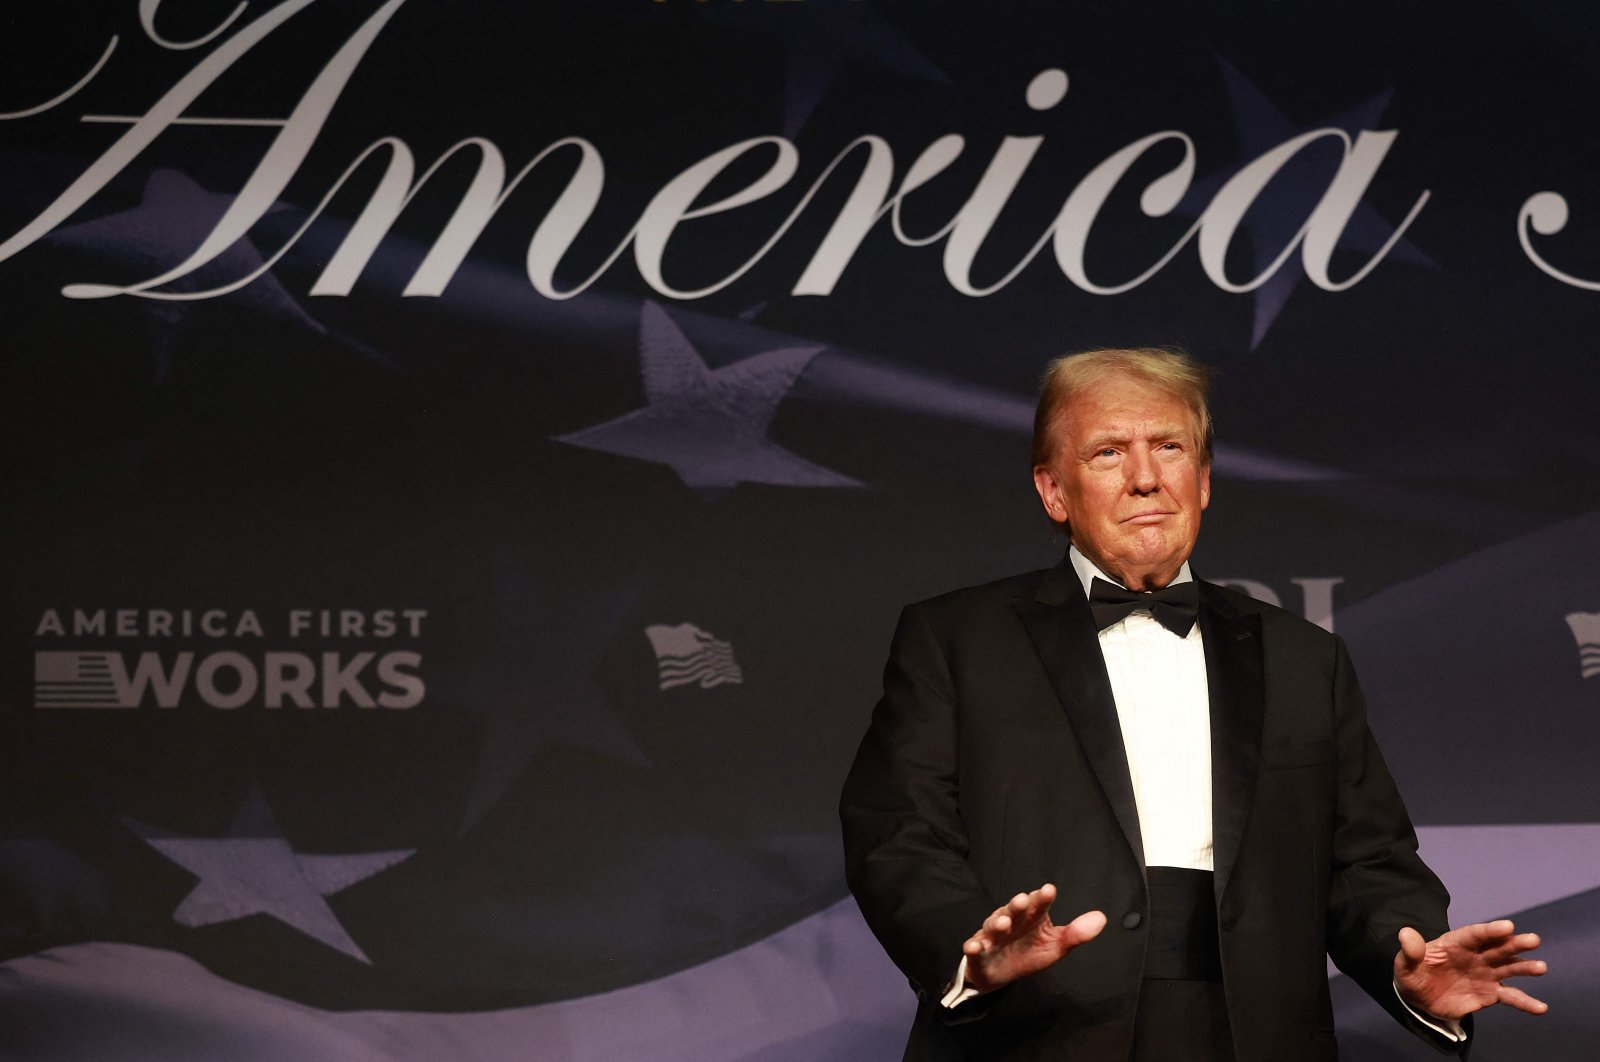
1463 970
1019 939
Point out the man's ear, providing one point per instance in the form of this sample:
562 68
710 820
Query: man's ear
1049 488
1205 485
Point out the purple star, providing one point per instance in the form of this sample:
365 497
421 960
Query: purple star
1274 219
533 688
253 870
817 46
172 219
709 425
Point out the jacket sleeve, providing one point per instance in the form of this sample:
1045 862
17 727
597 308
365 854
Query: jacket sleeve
1379 883
904 839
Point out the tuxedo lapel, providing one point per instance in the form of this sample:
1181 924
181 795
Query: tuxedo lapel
1063 631
1237 688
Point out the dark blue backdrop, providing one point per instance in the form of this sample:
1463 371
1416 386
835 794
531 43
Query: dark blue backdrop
440 603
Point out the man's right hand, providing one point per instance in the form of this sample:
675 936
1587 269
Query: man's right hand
1019 939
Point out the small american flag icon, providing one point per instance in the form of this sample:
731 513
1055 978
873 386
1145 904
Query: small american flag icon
687 655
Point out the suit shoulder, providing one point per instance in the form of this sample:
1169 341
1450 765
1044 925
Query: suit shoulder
954 605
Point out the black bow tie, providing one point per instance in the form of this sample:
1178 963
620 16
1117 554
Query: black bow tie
1174 607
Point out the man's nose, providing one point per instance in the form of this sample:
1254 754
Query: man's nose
1143 475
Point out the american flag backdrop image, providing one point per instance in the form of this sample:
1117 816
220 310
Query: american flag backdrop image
463 462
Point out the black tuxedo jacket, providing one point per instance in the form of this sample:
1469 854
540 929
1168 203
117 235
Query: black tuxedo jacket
994 763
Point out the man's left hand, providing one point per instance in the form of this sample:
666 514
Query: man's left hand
1465 969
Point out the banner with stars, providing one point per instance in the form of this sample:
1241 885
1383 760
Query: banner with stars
463 463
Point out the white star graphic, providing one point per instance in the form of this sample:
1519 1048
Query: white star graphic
709 425
253 870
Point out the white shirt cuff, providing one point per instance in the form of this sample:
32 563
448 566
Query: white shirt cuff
959 991
1449 1028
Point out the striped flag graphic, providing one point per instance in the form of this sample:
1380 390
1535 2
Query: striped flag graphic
688 655
1586 630
75 680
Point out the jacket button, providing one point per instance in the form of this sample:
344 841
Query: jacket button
1131 920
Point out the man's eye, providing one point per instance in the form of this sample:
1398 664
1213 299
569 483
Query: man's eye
1108 452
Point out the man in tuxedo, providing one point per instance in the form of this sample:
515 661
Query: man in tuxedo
1190 768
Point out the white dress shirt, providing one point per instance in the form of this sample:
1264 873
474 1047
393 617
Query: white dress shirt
1159 683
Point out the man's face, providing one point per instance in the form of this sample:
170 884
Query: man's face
1128 478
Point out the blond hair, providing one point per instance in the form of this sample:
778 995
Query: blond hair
1171 370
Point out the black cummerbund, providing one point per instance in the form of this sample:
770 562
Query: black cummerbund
1183 926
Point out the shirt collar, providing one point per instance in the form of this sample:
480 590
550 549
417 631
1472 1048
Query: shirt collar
1088 572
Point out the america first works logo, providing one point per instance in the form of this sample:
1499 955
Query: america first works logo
299 658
